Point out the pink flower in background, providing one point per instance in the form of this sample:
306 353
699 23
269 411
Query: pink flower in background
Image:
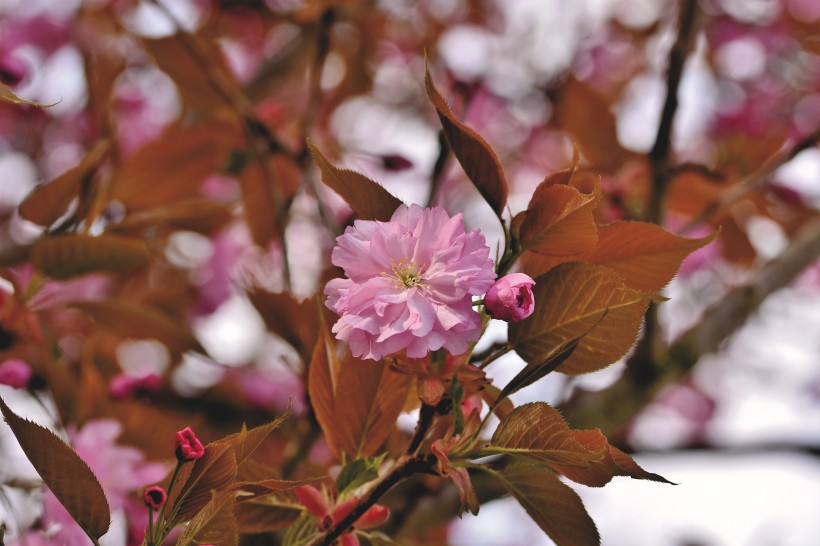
15 373
189 447
124 385
410 284
510 298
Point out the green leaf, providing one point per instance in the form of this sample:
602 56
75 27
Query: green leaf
537 431
554 506
301 532
215 524
64 472
65 256
570 300
477 158
358 472
369 200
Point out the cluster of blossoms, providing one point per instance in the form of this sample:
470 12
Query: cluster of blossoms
329 515
411 282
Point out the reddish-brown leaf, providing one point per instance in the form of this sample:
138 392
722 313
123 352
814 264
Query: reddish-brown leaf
272 512
477 158
140 322
554 506
214 524
213 471
369 200
585 115
50 200
64 472
64 256
575 299
613 463
7 95
294 321
538 432
559 221
195 86
199 215
356 402
173 166
645 255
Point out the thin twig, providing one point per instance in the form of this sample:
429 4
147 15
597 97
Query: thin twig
783 155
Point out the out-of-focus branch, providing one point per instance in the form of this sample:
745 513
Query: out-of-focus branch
611 408
659 156
786 153
643 367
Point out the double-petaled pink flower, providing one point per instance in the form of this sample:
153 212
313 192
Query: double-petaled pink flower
410 283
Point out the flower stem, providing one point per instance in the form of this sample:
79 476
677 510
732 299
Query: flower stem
160 525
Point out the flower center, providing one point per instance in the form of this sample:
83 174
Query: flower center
407 273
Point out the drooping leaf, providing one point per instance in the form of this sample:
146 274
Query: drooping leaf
559 221
140 322
254 490
302 531
613 463
173 166
64 256
537 432
477 158
554 506
199 215
64 472
586 116
645 255
369 200
7 95
214 524
569 300
50 200
355 402
537 369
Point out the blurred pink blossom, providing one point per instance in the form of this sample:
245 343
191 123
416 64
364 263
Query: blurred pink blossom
410 284
124 385
15 373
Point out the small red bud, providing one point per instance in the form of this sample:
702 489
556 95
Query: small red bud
375 516
154 497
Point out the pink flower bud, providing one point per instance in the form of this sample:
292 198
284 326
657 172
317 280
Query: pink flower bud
312 499
154 497
189 447
510 298
349 539
15 373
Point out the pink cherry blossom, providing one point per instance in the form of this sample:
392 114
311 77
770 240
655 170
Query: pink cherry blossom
510 298
15 373
409 284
